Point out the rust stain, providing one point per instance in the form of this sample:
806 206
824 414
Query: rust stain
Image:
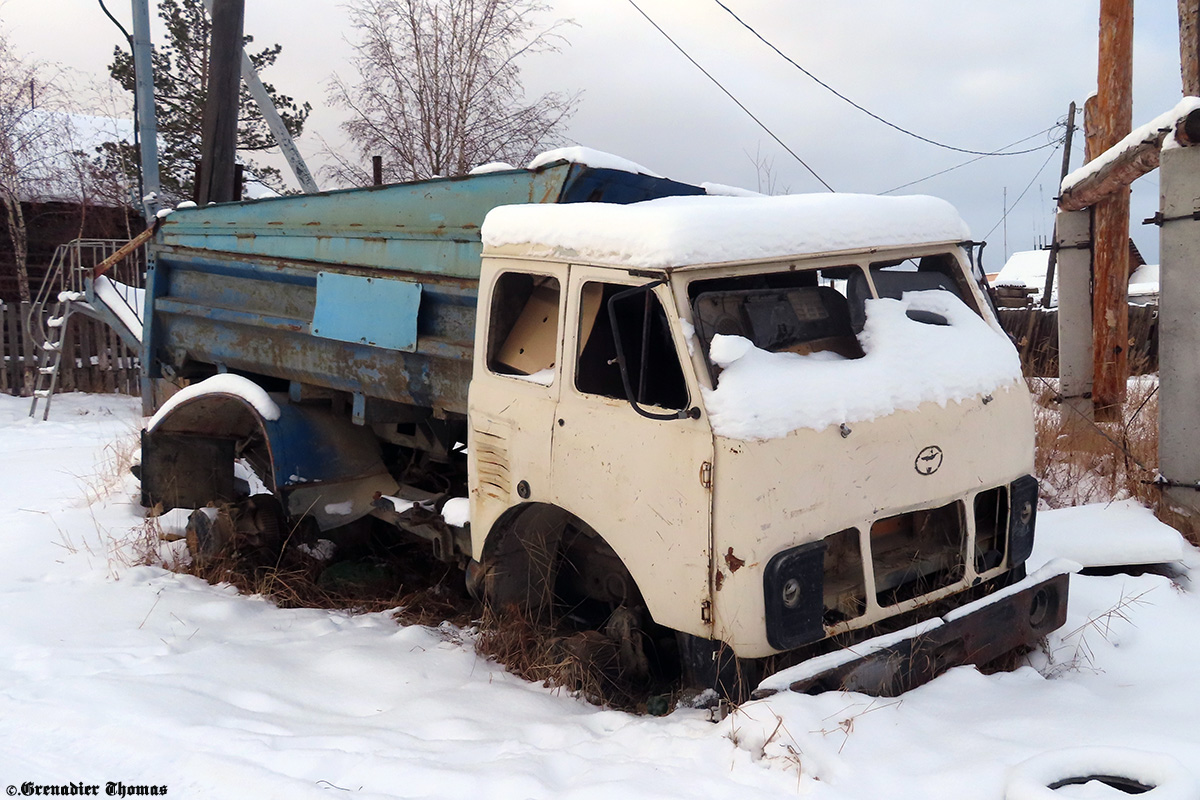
733 562
720 580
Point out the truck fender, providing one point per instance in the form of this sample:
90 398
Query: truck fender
529 547
317 464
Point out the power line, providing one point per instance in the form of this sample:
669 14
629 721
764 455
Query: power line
973 160
729 94
866 111
133 61
1036 175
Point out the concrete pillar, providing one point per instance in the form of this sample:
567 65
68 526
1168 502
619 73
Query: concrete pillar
1179 331
1073 233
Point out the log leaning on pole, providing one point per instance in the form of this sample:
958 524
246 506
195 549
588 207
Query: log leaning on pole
1129 166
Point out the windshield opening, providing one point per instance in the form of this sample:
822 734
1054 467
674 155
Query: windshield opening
803 312
818 312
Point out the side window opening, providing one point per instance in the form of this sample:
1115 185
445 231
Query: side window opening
523 327
597 371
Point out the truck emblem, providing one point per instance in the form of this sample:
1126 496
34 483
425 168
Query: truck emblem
928 460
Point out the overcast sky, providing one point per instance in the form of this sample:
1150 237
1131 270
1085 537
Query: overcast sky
974 75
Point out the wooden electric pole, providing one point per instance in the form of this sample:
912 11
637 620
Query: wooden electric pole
1112 121
218 143
1189 46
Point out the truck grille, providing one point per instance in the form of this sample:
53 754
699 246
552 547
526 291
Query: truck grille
917 552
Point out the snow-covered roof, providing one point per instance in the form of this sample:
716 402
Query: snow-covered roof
677 231
1143 283
597 159
1027 270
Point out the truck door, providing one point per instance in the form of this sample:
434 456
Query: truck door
514 389
643 484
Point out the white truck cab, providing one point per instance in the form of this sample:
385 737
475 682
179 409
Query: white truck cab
766 421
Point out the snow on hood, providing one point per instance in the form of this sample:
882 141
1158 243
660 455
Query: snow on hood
764 395
675 231
596 159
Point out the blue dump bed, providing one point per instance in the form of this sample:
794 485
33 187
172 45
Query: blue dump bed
367 291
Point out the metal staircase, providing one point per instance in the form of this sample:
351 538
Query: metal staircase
70 288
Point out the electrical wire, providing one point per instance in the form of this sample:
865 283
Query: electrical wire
116 22
729 94
1036 175
866 111
973 160
137 142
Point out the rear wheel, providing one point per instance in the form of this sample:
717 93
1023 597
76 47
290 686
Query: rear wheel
250 528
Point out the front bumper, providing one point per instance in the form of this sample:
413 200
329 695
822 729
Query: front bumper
976 633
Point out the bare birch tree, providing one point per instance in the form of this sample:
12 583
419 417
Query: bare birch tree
30 145
438 88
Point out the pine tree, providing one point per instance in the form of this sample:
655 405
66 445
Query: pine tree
180 89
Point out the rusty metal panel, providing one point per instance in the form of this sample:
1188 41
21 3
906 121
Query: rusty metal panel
976 634
422 226
185 471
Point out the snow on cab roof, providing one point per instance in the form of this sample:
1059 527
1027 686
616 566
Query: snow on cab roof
677 231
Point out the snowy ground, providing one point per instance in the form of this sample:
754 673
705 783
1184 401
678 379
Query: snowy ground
120 673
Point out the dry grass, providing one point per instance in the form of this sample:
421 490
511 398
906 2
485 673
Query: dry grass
422 591
1079 462
585 663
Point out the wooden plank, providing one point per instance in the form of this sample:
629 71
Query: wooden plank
29 363
108 359
4 382
85 377
66 367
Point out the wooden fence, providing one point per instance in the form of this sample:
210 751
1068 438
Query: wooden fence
94 357
1035 333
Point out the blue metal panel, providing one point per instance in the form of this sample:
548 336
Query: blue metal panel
363 310
310 444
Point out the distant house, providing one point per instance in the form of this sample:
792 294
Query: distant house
1023 279
63 200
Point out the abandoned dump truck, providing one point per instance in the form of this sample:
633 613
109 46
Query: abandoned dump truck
740 431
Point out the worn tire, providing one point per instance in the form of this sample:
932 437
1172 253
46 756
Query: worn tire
1154 776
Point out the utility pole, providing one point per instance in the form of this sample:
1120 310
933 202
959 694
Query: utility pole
218 143
1113 120
1189 46
271 116
147 124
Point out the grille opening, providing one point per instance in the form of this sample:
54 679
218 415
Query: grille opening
917 553
845 592
991 522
